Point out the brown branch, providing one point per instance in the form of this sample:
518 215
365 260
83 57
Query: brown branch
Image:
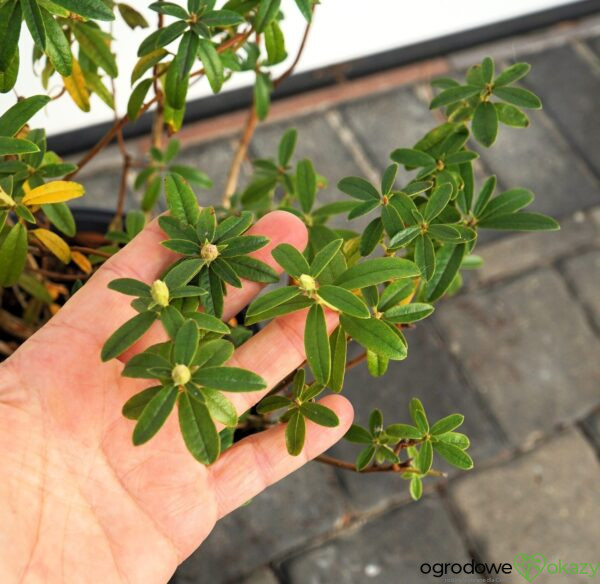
91 251
235 41
250 126
402 467
61 276
117 222
6 349
15 326
356 361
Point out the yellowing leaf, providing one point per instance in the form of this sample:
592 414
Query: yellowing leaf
54 243
6 200
54 309
81 261
57 191
76 87
409 298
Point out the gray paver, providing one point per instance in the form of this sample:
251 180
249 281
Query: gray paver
284 516
384 122
538 158
263 575
429 374
569 89
591 426
546 502
583 272
529 349
387 549
525 251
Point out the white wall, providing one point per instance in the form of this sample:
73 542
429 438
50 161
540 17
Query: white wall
343 29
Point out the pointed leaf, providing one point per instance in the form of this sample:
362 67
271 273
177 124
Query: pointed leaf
154 415
127 335
374 335
198 430
316 344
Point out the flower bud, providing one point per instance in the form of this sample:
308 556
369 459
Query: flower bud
181 374
307 283
160 293
209 252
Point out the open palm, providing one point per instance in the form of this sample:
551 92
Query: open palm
79 503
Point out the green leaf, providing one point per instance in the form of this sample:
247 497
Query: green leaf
94 9
316 344
371 237
147 62
305 7
377 364
222 18
192 175
176 228
213 353
267 11
58 48
127 335
291 260
485 123
180 274
139 365
19 114
425 458
35 23
295 433
438 200
275 43
266 302
13 255
375 271
12 146
344 301
403 432
518 96
511 116
453 95
395 293
447 424
10 29
130 287
447 263
213 66
8 78
287 145
375 335
154 415
365 457
181 199
425 256
487 70
358 435
363 208
170 9
389 178
132 17
198 430
324 257
454 455
272 403
162 37
484 195
412 158
404 237
358 188
455 438
182 246
306 184
229 379
262 95
320 414
220 408
136 99
208 322
206 225
186 343
338 347
520 222
509 201
225 272
408 313
512 74
136 404
417 413
93 43
253 269
416 488
35 287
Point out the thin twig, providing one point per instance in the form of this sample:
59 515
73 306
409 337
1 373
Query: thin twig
250 126
61 276
332 461
356 361
91 251
15 326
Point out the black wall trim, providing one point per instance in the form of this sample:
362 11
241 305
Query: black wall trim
207 107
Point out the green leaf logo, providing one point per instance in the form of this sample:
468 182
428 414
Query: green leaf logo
529 566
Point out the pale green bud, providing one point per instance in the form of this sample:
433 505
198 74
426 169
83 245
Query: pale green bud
209 252
181 374
307 283
160 293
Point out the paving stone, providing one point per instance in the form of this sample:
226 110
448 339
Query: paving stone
318 141
583 272
529 349
384 122
569 90
591 426
545 502
538 158
594 43
102 190
263 575
429 374
525 251
213 158
300 507
386 550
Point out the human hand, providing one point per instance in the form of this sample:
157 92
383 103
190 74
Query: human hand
80 503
